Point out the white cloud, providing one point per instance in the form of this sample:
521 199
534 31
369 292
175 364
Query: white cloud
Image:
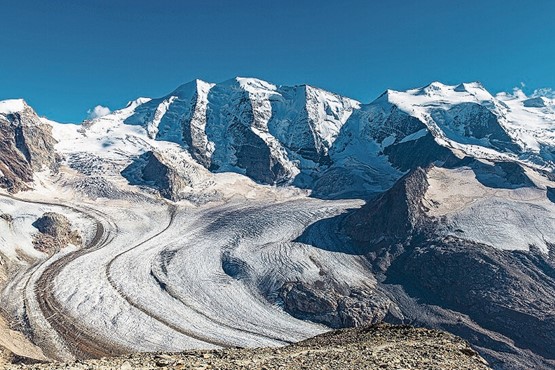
98 111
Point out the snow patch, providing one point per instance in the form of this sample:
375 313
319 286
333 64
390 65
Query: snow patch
12 106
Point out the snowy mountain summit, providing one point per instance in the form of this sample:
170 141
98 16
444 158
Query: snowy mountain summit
248 126
249 214
308 137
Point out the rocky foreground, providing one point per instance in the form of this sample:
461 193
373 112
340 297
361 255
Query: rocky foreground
375 347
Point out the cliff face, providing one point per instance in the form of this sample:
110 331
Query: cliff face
269 133
151 169
26 146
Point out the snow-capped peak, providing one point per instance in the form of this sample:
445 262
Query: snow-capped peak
12 106
434 88
437 91
135 103
254 84
417 102
190 88
295 128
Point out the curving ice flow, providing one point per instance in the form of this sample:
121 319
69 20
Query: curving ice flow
155 277
167 289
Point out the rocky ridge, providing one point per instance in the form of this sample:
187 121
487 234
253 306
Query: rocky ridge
375 347
424 262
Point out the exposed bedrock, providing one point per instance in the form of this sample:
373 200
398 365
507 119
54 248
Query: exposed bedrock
254 155
392 217
333 305
55 232
508 175
26 146
151 169
509 292
477 123
507 296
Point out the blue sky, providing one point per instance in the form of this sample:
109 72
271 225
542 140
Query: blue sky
65 57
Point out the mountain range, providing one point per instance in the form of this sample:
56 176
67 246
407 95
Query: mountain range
245 213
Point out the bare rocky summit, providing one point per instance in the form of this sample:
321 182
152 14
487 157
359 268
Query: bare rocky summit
374 347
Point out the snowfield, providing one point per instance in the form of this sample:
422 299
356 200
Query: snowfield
11 106
474 211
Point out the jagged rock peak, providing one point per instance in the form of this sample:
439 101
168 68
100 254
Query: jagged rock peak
394 215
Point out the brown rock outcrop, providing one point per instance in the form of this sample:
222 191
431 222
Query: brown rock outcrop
26 145
55 233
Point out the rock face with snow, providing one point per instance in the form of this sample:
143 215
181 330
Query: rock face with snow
152 169
270 133
26 144
468 118
335 146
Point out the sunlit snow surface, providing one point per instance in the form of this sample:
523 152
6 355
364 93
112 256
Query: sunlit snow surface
11 106
512 219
